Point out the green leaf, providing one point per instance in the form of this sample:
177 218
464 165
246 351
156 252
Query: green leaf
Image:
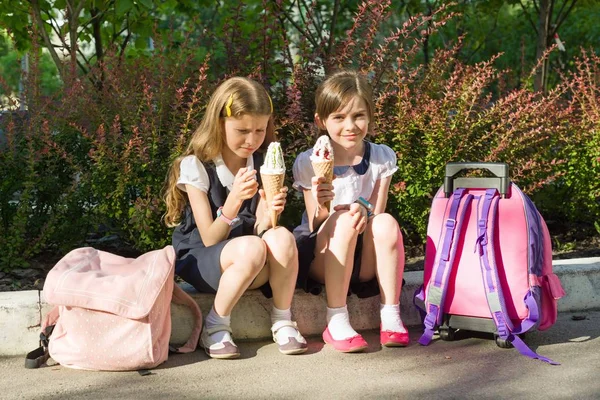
149 4
122 7
141 43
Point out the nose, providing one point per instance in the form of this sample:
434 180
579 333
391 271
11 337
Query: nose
253 138
349 123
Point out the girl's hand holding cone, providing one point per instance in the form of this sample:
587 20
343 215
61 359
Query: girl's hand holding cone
322 191
276 206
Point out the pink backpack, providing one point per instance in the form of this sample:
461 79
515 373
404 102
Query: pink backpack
112 313
488 261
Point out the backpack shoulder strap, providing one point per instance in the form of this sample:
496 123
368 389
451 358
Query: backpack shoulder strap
181 297
39 356
491 282
444 260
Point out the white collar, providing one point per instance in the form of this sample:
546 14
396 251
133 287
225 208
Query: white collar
225 176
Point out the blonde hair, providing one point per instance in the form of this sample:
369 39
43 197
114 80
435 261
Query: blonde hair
338 90
234 97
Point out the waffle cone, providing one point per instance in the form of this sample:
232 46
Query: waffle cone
272 184
324 169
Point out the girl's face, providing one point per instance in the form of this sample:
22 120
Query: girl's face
244 135
348 125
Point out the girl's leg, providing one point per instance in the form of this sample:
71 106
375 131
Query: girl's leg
282 266
241 260
334 257
333 263
383 257
281 271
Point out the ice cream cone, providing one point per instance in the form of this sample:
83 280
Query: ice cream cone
324 169
272 184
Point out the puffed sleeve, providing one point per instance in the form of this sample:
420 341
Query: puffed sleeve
192 172
386 158
303 171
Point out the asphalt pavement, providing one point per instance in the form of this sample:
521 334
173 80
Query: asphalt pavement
467 368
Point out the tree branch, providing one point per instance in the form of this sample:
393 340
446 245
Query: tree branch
332 26
318 27
566 14
96 29
299 28
287 47
124 44
41 24
533 25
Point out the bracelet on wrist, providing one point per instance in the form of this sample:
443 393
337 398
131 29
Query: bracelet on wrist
368 206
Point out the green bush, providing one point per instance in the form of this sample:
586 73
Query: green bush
96 153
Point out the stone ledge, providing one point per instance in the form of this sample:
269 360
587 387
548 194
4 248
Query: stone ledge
21 312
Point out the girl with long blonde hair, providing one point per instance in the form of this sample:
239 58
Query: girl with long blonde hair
224 238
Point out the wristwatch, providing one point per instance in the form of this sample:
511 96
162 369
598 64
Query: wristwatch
230 222
369 207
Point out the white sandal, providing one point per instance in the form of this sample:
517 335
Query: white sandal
295 344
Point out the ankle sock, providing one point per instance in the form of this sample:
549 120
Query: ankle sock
338 322
390 318
213 319
285 332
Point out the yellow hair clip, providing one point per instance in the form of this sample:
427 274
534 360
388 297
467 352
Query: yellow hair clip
228 105
270 102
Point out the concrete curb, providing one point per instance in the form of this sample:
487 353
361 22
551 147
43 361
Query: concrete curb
21 313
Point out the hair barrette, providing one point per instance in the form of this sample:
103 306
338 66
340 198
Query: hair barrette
228 105
270 102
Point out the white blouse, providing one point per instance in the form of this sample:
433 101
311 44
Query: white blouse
349 186
192 172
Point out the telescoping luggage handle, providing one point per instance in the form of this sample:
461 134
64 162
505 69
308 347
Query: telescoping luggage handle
500 181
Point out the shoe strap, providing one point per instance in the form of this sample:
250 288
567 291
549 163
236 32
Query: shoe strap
217 328
283 323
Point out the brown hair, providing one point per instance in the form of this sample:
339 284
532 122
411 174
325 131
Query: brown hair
234 97
338 90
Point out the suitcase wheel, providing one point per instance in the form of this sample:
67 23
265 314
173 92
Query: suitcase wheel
447 333
504 344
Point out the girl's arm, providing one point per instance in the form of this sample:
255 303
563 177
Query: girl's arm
211 231
314 200
380 194
263 216
261 225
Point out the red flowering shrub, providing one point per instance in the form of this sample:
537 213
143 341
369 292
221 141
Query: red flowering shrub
98 152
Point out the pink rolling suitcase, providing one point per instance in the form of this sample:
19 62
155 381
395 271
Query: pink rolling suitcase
488 261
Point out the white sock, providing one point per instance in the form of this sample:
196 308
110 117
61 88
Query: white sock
338 322
285 332
390 318
213 319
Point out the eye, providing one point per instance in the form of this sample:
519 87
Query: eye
338 117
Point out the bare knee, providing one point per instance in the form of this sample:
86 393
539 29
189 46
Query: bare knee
249 254
386 230
281 243
341 226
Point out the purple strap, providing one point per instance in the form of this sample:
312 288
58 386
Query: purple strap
492 286
420 295
436 291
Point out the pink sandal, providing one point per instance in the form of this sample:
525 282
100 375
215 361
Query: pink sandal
353 344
